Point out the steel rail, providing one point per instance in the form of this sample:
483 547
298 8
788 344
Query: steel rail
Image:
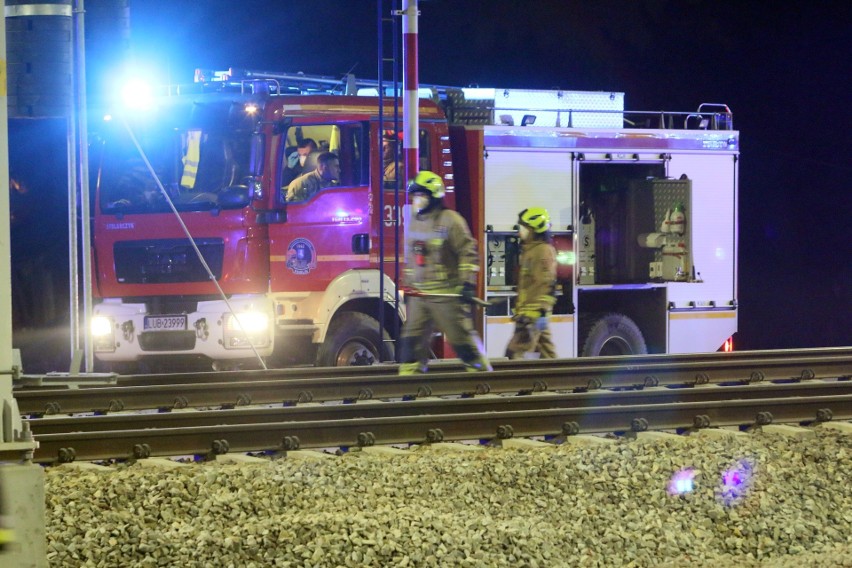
841 355
318 385
345 433
434 406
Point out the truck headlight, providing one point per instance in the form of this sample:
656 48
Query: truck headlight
103 333
244 327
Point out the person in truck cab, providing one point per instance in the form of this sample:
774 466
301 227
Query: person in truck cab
536 287
297 161
390 142
307 185
441 267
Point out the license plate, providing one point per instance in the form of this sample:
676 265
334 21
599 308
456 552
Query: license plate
165 323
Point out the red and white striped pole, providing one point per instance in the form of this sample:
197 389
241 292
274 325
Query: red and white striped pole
410 104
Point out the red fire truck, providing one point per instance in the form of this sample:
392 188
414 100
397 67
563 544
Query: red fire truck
197 253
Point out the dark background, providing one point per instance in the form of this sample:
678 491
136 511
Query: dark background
782 67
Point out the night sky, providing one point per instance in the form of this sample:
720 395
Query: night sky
782 67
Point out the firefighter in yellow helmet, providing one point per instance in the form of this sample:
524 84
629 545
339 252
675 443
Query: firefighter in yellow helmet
441 268
536 287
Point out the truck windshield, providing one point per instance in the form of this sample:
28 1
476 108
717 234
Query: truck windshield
194 166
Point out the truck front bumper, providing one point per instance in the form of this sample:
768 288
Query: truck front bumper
127 331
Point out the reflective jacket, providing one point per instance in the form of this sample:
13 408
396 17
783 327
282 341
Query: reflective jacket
440 252
537 279
390 171
307 185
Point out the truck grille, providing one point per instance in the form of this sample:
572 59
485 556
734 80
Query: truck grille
166 261
167 340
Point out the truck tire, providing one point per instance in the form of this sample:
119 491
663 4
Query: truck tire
353 339
612 334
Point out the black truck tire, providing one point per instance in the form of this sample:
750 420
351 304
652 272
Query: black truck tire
612 334
353 339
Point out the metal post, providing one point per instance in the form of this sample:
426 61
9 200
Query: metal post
380 168
22 483
73 253
395 15
410 108
73 272
83 168
6 399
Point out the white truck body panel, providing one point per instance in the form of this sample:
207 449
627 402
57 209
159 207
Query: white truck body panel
712 223
517 178
700 331
499 330
555 108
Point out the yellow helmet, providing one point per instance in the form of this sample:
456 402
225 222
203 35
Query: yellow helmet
427 182
536 218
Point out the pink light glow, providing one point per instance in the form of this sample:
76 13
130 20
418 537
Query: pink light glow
682 482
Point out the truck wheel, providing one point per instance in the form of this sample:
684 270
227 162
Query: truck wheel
612 334
353 339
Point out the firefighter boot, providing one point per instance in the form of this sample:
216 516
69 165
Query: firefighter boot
414 368
410 363
474 361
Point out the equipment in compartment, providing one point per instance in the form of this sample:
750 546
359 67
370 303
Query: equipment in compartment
618 203
672 259
502 260
586 245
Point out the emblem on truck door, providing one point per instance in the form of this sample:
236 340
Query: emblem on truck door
301 256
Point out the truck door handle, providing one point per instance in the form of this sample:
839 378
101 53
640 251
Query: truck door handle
361 243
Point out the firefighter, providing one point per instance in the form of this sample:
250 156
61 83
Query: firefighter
440 274
297 161
389 156
326 175
536 287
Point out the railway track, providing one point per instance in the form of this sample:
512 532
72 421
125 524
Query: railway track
52 395
321 408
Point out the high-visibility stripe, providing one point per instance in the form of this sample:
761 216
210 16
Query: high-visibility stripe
342 257
334 139
190 161
327 258
727 314
7 536
562 318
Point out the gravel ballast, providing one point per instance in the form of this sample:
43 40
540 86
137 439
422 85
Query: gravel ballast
757 499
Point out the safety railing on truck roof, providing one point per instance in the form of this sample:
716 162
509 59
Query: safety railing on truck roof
653 120
486 106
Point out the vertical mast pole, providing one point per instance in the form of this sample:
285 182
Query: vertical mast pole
73 251
6 399
83 179
410 108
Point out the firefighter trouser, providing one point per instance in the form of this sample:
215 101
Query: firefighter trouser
528 339
453 318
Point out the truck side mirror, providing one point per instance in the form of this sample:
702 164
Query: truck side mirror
235 197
